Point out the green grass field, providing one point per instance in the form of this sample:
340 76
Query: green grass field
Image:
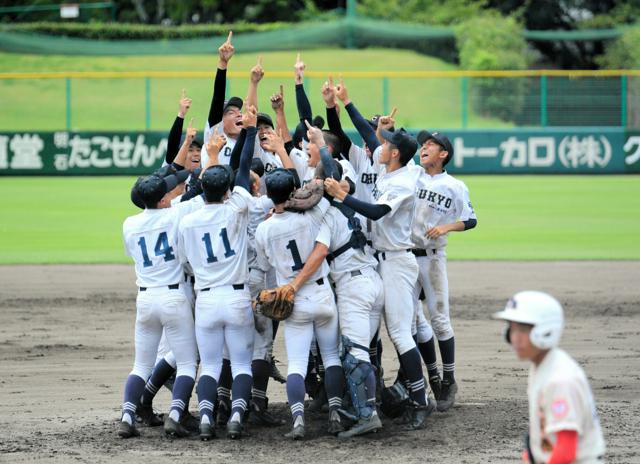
79 220
119 104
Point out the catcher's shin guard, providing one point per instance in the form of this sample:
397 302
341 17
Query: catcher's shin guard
356 372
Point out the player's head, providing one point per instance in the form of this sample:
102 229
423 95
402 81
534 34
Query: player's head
264 125
320 174
280 183
300 132
216 182
255 183
399 146
156 191
232 116
536 321
333 145
435 149
193 155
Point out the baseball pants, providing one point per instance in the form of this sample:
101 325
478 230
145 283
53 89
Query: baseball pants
432 277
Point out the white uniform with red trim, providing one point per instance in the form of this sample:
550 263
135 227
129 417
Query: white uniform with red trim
560 399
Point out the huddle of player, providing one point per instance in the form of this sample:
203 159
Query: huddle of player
373 247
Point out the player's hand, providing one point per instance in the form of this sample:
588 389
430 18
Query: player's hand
314 135
333 188
437 231
387 122
215 144
191 131
250 116
299 68
277 100
274 142
329 93
184 105
226 51
257 73
341 92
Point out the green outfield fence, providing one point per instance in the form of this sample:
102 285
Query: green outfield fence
81 101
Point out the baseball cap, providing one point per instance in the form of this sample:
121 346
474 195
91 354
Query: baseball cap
373 122
403 140
439 137
149 190
263 118
233 101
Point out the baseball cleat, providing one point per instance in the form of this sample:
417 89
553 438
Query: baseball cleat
261 416
126 430
175 429
363 426
435 382
275 373
190 422
335 423
234 430
448 395
223 411
207 432
419 415
148 417
297 432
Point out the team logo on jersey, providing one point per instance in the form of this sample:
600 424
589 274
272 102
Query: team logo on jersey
227 151
269 167
559 408
369 178
435 198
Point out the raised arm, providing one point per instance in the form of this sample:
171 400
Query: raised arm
302 102
181 159
257 73
249 119
214 145
364 129
277 105
173 143
333 118
234 159
370 210
225 52
315 136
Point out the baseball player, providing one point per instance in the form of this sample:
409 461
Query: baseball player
285 241
391 234
563 422
442 205
214 241
151 238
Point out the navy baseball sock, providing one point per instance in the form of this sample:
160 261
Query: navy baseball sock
373 351
161 373
428 352
181 394
412 367
447 352
241 391
207 391
260 370
334 386
225 381
370 384
133 389
295 395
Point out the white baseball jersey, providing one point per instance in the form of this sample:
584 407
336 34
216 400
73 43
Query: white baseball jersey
224 157
214 241
336 231
392 232
306 173
560 399
151 239
270 160
260 207
366 173
440 199
286 240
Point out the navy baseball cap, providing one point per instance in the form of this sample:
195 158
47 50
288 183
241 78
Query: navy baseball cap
406 144
149 190
232 102
263 118
440 139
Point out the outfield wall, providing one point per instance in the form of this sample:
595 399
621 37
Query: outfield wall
567 150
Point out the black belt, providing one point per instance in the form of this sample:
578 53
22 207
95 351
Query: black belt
320 281
171 287
235 287
356 273
421 252
383 254
189 278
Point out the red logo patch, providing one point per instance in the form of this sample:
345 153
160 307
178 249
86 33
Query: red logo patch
559 408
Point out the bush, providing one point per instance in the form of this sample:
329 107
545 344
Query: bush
493 42
117 31
624 53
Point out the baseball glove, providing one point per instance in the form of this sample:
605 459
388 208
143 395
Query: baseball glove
276 303
305 198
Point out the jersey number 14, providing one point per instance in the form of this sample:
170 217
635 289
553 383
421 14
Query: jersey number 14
162 248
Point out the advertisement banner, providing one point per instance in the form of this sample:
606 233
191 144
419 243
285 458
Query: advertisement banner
515 151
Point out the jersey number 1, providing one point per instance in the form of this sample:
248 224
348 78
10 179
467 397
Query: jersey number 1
228 252
295 254
162 248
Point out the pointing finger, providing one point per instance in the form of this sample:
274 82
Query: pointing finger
330 80
229 37
393 112
259 60
184 93
309 126
298 57
281 90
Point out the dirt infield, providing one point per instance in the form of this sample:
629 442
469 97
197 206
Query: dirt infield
66 336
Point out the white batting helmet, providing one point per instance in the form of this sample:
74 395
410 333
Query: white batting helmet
540 310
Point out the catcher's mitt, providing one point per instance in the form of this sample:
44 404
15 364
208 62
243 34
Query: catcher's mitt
276 303
305 198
